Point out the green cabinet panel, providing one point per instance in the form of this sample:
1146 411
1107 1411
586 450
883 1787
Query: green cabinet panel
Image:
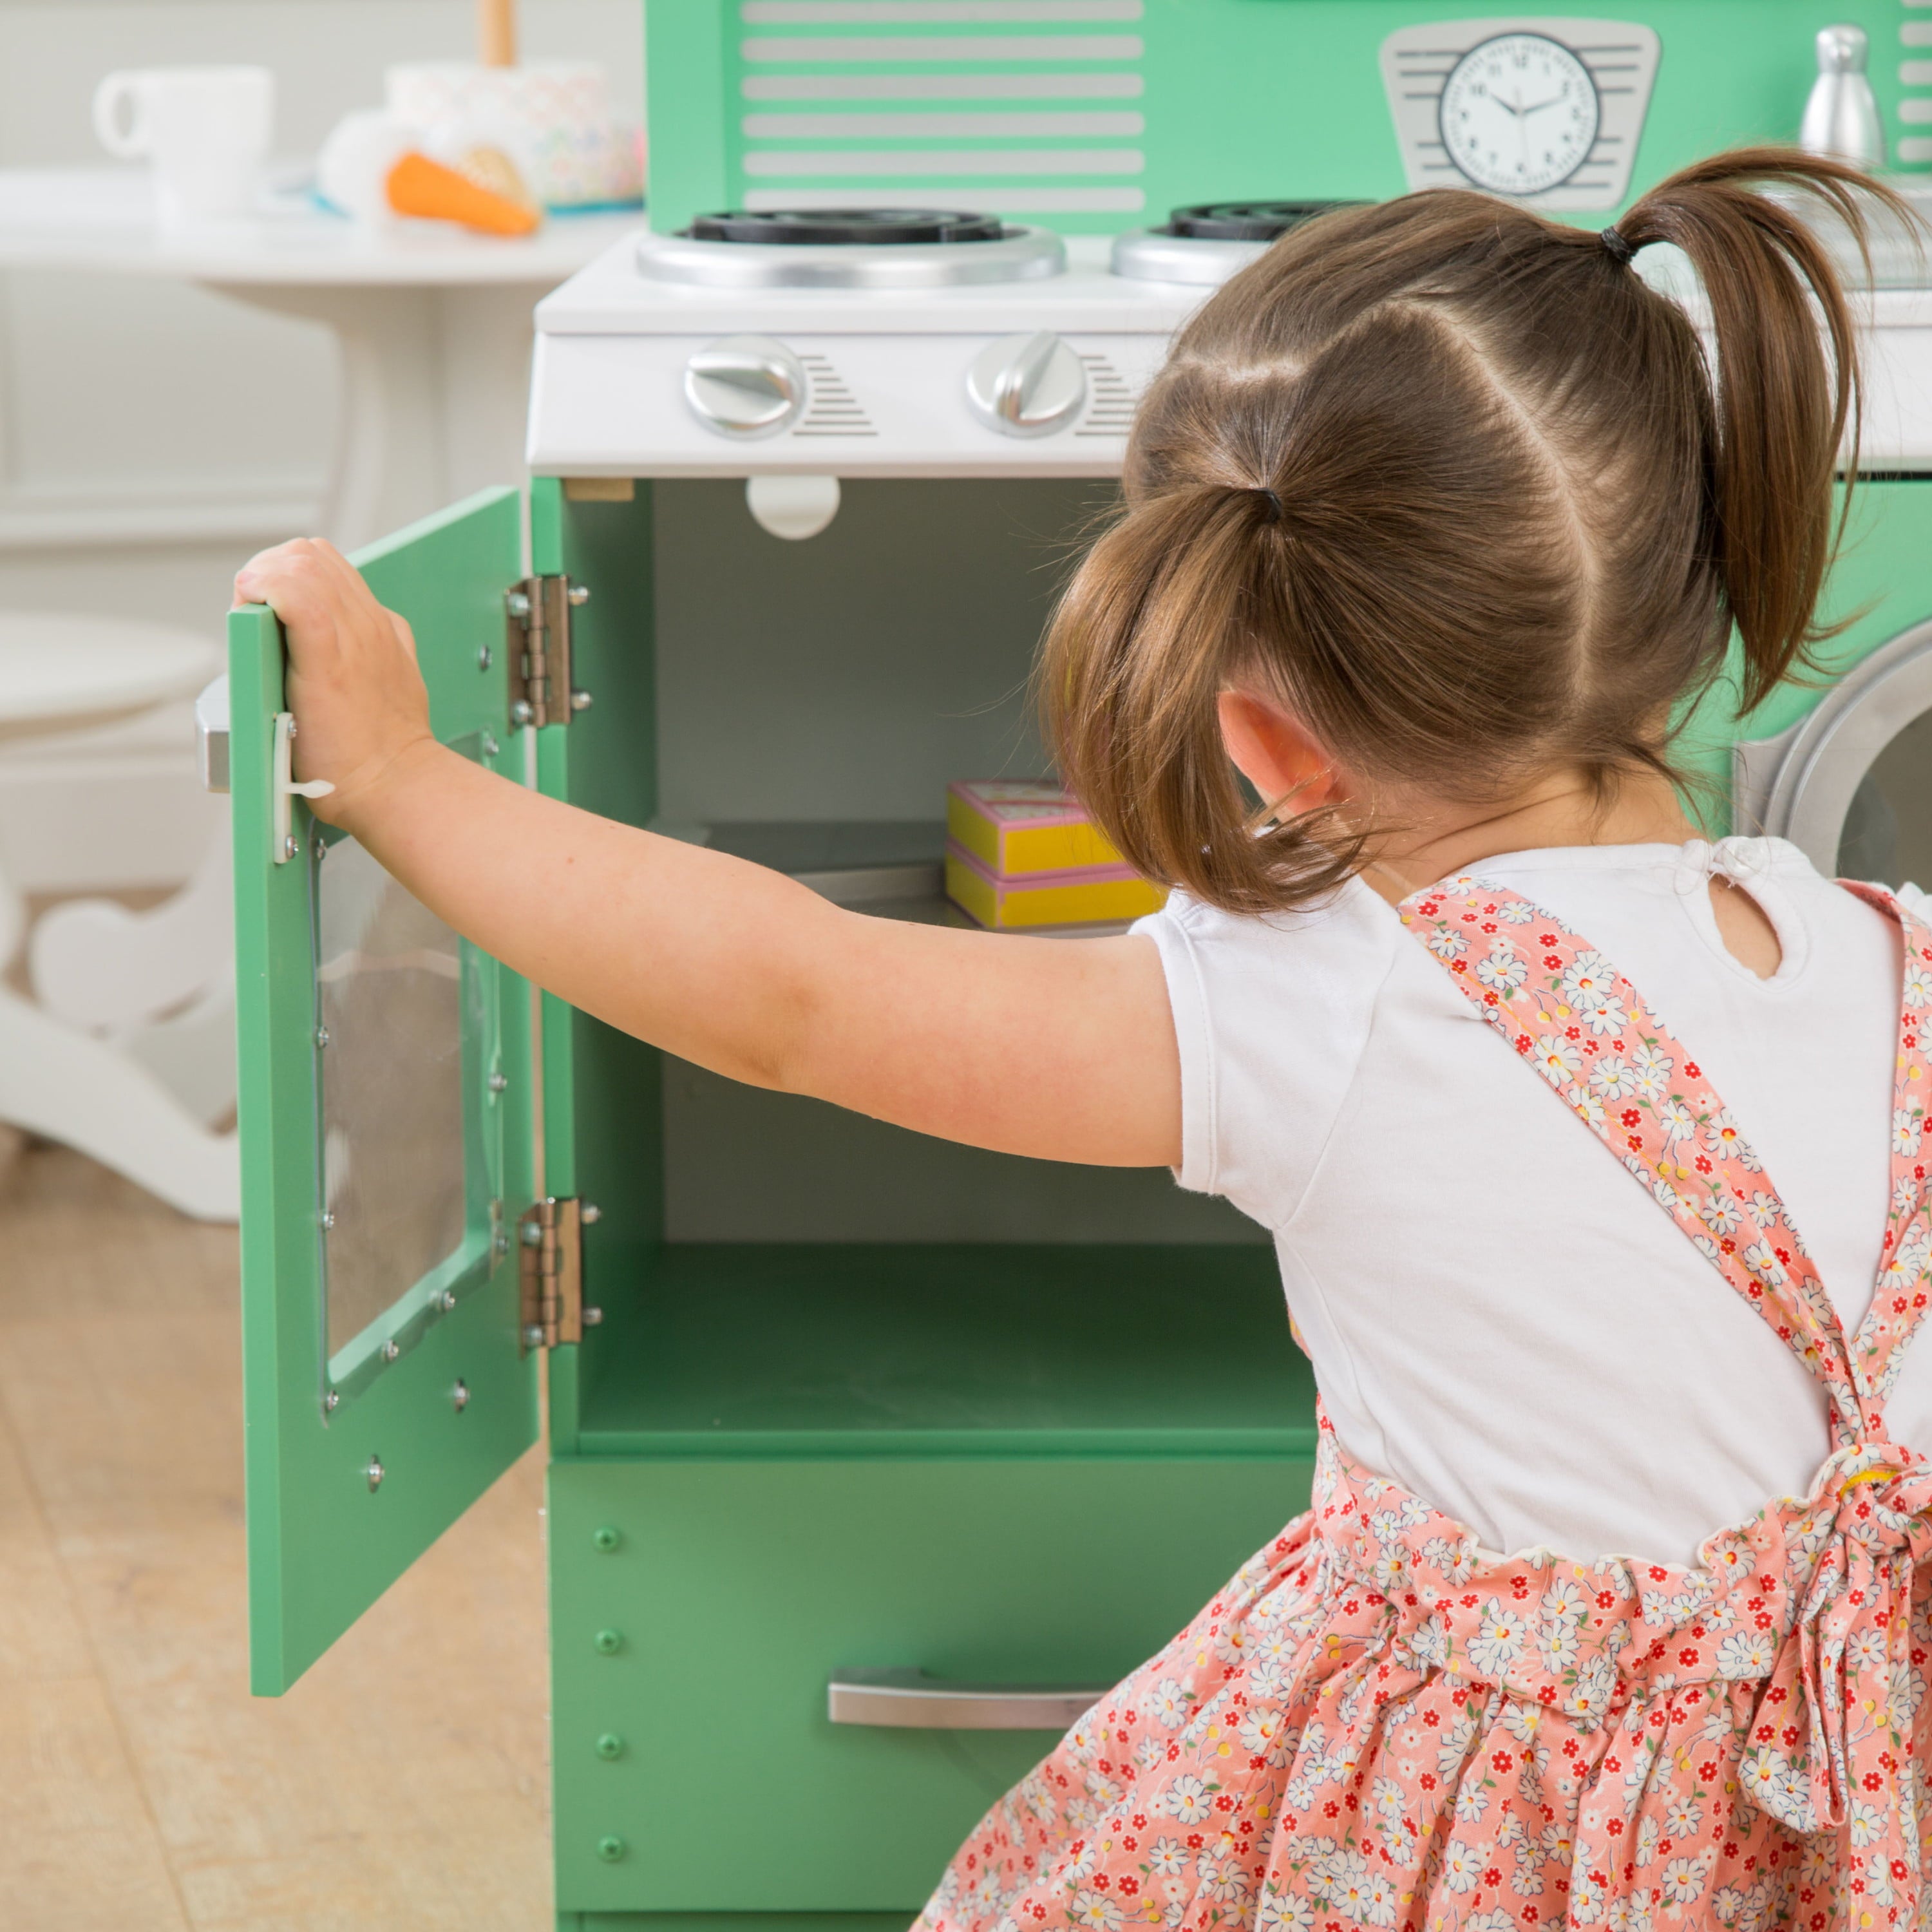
601 1108
697 1608
373 1418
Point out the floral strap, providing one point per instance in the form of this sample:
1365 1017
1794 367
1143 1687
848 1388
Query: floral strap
1586 1029
1898 1307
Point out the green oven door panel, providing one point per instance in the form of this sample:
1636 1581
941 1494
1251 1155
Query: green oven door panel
1880 586
362 1446
602 1113
697 1609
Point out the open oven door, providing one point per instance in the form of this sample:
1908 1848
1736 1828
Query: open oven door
1851 783
386 1117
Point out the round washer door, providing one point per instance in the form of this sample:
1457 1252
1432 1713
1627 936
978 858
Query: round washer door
1851 784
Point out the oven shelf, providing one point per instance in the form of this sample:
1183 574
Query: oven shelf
891 869
931 907
981 1350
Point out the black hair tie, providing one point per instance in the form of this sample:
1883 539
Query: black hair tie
1274 501
1616 245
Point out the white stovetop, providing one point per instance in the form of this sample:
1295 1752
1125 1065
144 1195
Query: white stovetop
610 297
612 345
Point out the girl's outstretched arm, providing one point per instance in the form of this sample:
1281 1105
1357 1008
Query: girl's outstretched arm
1034 1046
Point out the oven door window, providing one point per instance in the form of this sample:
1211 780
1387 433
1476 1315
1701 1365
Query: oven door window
405 1182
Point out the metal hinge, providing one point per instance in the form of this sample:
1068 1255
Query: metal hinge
537 642
550 1234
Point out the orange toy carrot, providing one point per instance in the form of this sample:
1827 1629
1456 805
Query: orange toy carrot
418 185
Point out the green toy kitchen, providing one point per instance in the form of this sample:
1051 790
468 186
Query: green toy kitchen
871 1458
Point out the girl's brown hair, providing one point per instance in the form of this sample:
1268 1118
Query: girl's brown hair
1452 484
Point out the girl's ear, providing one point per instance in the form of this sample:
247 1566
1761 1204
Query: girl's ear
1275 754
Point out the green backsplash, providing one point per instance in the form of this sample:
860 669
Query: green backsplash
1236 98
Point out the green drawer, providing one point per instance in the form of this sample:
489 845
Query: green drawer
701 1638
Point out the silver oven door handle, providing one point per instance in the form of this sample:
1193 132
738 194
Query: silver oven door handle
910 1700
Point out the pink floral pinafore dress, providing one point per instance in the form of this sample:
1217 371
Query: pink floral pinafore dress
1378 1723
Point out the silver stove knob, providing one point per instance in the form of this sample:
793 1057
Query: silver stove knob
745 385
1026 385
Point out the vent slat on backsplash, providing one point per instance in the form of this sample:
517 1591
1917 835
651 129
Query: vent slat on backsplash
1074 55
1914 106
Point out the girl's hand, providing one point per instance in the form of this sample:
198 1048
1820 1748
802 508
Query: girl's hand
352 681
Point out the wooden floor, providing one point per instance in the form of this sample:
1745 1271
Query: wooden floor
402 1783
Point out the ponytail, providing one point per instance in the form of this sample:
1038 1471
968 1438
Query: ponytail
1135 664
1786 393
1452 486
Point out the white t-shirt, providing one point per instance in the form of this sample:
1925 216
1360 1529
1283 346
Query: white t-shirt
1500 1319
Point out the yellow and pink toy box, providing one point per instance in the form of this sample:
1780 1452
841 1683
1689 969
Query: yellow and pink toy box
1021 854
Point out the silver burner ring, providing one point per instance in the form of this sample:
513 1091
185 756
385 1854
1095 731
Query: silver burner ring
1025 255
1145 255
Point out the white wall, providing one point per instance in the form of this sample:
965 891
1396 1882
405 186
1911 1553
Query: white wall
152 435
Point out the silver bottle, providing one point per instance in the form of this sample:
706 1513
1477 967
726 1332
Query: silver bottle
1841 117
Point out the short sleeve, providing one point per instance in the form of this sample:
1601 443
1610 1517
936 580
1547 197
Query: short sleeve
1272 1015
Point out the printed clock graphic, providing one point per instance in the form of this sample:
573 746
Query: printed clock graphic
1519 114
1547 111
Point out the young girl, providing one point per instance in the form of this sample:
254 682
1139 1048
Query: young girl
1433 521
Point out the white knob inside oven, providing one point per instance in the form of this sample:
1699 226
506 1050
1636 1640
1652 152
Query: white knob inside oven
1026 385
745 385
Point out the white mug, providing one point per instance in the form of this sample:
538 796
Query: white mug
204 130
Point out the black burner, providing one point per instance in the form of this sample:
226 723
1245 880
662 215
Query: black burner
1245 220
865 227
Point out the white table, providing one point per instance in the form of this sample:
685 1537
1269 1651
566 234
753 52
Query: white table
59 672
433 323
128 1054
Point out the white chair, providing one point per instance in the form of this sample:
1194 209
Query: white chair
126 1051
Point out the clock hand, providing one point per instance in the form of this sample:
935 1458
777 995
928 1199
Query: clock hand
1537 108
1508 106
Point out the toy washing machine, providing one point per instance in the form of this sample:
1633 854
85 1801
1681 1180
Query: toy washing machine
870 1458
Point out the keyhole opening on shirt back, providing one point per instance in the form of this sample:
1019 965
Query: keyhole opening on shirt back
1748 934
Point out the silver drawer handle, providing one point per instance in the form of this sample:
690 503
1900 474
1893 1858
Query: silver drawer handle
910 1700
